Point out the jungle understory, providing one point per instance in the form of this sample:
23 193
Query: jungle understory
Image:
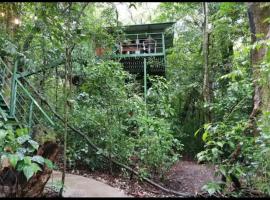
134 99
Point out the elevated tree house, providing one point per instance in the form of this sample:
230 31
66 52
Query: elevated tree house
145 44
142 49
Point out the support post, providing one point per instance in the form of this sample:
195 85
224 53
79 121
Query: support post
163 44
30 116
13 91
145 90
164 52
144 79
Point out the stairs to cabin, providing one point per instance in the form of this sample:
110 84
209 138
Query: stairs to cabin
5 118
18 106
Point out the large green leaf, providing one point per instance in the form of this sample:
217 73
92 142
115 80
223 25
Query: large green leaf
13 159
28 171
38 159
204 136
22 139
27 160
34 144
21 152
35 167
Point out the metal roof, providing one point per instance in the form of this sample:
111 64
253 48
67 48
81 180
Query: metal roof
148 27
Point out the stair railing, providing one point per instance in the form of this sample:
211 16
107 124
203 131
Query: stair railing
6 82
21 104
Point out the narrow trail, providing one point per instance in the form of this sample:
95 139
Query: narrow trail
184 176
190 177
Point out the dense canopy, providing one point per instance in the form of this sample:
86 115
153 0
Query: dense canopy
66 81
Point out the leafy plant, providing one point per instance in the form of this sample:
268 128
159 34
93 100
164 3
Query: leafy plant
118 121
17 150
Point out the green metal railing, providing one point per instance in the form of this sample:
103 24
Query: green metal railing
137 45
21 104
6 76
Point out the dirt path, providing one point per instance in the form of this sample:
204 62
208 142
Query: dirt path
188 176
184 176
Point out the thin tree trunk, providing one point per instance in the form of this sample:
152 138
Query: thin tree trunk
44 62
56 89
67 75
65 125
206 85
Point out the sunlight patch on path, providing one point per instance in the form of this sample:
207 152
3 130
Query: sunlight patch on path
79 186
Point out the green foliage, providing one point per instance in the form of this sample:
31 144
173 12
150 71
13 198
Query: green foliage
212 188
251 165
184 71
17 149
221 141
258 170
109 106
228 29
109 109
224 137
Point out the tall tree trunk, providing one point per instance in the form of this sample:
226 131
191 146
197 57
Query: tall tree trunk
260 30
206 84
67 65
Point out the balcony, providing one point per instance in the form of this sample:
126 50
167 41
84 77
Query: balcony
140 45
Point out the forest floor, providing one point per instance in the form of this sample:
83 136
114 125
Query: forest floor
184 176
189 177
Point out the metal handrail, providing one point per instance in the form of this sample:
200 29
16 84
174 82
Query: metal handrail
26 92
144 33
6 67
34 101
139 45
